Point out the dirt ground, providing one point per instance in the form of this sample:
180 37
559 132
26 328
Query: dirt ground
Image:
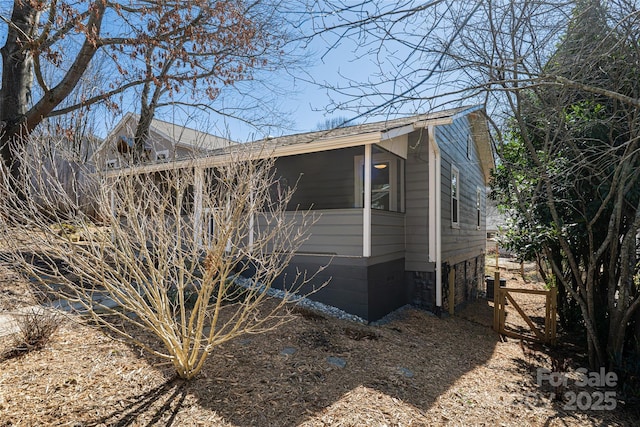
414 370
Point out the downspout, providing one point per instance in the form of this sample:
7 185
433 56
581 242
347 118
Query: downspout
435 215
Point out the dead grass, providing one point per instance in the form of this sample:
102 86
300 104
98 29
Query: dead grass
417 370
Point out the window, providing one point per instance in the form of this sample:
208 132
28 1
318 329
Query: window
111 164
455 197
210 224
162 155
387 181
381 185
213 217
469 145
478 205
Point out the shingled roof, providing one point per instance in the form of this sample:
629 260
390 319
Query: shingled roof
360 129
342 137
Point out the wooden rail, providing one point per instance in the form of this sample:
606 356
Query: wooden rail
500 297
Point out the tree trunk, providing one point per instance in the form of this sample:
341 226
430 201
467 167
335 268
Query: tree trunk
17 81
636 332
141 137
19 113
626 304
148 105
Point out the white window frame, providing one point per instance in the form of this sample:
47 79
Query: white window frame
455 197
478 207
162 153
394 185
111 164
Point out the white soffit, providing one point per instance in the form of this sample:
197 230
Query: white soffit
398 145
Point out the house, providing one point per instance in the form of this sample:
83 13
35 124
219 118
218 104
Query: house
497 223
168 142
402 209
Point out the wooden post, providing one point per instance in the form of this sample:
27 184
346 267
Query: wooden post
554 302
452 290
497 299
496 313
547 317
497 257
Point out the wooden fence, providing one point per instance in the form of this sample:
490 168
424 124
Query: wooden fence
502 295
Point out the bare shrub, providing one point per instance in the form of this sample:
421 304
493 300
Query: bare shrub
163 250
35 329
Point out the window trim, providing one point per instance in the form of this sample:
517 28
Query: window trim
211 218
164 153
396 188
455 207
478 208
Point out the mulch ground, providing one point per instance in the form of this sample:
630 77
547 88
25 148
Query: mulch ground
415 370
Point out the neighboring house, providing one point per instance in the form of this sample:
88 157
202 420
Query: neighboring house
408 228
168 142
496 224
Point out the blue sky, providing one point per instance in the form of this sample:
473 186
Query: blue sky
303 103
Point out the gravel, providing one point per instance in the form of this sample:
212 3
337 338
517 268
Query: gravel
300 301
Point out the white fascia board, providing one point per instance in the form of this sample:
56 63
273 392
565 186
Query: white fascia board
393 133
327 144
435 122
258 151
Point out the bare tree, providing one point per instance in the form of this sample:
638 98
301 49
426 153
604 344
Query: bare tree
404 46
334 123
164 252
569 149
557 79
163 49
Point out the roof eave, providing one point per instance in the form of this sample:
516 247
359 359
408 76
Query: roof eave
483 142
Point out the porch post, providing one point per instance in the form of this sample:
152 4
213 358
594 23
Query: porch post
366 220
112 206
252 201
198 184
112 202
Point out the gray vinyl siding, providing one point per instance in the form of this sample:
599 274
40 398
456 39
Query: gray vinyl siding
335 232
417 203
159 143
325 180
467 241
387 233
